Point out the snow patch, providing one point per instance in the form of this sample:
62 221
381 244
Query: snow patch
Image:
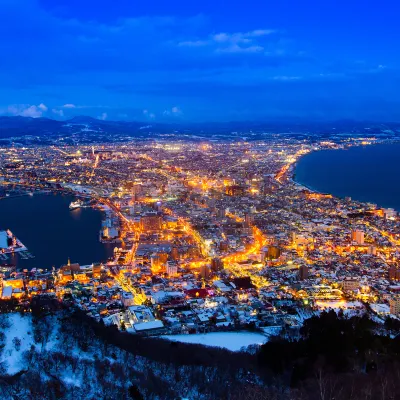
19 327
233 341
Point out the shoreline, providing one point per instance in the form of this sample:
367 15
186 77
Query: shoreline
301 186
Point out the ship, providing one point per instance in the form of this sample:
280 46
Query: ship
75 204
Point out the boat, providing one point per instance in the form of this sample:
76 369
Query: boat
75 204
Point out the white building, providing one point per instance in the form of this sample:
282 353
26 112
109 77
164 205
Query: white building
3 240
172 269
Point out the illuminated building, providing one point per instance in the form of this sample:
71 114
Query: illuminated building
390 213
16 283
155 261
301 240
96 270
235 190
372 250
394 305
221 211
217 264
110 233
223 246
249 219
205 271
172 269
273 253
358 237
350 284
174 253
394 273
150 222
303 272
163 257
127 299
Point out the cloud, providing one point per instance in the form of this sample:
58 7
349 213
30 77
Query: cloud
237 42
69 105
20 110
149 114
60 113
286 78
103 116
194 43
174 111
234 48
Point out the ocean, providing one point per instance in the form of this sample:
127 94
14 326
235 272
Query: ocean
365 173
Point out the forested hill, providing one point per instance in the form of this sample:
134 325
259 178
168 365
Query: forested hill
63 354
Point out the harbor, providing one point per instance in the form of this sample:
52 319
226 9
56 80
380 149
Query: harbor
49 231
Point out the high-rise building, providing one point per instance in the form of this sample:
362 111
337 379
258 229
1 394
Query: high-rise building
372 250
155 261
394 305
205 271
358 237
392 273
249 219
217 264
96 270
303 272
172 268
174 253
221 211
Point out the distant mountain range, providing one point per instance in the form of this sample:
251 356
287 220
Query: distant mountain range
39 127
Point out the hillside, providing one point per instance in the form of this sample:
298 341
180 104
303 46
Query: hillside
66 355
16 127
58 356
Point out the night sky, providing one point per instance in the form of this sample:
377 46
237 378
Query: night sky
200 60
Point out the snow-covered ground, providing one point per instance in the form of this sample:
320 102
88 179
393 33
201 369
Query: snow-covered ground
349 308
18 327
56 351
381 309
233 341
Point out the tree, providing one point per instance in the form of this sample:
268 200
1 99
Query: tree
17 343
134 393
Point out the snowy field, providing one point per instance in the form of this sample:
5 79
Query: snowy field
20 328
233 341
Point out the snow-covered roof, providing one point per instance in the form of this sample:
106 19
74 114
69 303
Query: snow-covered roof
143 326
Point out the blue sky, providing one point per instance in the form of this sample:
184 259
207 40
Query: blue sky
200 60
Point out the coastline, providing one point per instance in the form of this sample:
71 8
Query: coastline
302 186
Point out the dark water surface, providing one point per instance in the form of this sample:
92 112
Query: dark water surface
367 173
52 232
